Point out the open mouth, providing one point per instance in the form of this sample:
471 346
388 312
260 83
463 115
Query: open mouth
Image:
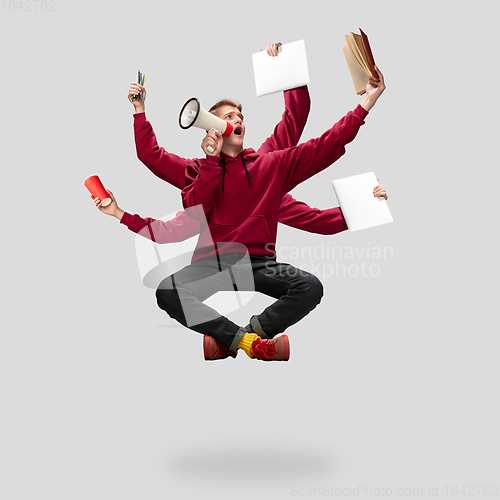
237 131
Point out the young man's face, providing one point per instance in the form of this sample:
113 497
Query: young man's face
235 118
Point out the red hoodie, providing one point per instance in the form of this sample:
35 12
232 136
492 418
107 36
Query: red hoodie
241 196
171 168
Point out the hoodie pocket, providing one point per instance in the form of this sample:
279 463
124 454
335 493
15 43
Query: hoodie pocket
262 222
254 232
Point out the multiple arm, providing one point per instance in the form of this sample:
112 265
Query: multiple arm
288 131
180 228
167 166
296 214
172 168
299 215
297 164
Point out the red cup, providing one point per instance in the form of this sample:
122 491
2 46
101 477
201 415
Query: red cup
94 185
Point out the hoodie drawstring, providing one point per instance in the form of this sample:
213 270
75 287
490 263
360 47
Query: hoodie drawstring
224 170
246 170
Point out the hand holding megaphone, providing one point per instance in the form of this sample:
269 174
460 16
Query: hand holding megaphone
212 143
193 115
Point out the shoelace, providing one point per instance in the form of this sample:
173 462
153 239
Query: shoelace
221 348
264 349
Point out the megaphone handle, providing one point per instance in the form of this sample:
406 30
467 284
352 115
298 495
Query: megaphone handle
210 149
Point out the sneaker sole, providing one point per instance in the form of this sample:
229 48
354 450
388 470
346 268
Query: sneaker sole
287 348
206 347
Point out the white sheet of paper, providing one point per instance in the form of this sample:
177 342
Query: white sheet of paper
287 70
360 208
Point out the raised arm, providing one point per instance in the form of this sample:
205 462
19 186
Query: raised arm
288 131
167 166
286 135
297 164
301 216
297 105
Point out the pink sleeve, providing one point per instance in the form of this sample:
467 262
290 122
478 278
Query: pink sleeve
297 164
180 228
288 131
299 215
167 166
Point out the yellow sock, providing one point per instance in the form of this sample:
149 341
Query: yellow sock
247 341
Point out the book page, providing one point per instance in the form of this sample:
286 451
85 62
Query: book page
369 53
354 49
358 74
364 56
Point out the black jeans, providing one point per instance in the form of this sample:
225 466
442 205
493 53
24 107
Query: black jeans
182 294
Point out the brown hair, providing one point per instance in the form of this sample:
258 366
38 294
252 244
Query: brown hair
226 102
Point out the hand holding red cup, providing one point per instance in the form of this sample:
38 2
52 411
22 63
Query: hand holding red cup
94 185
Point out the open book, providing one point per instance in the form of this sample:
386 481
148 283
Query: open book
359 57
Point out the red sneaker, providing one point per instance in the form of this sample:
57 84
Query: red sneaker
272 350
215 350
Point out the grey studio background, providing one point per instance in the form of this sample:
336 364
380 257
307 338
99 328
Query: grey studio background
392 385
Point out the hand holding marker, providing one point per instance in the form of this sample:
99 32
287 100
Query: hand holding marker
140 80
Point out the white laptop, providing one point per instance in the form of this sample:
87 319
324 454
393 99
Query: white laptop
287 70
360 208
